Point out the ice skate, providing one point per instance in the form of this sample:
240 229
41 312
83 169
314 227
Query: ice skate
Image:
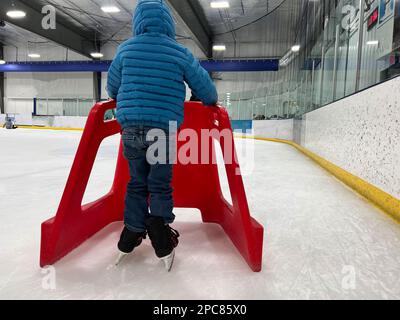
164 240
169 261
128 242
121 257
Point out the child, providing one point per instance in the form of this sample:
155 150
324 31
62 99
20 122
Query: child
147 79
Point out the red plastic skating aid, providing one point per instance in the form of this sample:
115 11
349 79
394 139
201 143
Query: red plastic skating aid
195 186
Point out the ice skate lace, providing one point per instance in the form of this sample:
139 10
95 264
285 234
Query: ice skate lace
174 232
174 236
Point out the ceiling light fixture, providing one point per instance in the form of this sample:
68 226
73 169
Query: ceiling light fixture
97 55
220 47
16 14
296 48
110 9
219 4
34 55
373 43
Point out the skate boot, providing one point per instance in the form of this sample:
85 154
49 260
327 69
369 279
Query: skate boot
129 241
164 240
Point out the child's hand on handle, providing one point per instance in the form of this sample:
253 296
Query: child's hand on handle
216 105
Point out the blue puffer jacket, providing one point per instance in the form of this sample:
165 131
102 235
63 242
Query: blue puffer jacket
148 72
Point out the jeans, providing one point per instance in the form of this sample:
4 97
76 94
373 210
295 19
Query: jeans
150 184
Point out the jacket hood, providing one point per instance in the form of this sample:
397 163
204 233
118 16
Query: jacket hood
153 16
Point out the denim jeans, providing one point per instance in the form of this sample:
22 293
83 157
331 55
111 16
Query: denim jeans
150 184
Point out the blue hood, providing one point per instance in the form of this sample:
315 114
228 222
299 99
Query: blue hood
153 16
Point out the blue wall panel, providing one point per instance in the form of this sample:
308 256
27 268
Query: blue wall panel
103 66
242 125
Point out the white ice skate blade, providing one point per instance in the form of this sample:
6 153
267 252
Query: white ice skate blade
169 261
121 257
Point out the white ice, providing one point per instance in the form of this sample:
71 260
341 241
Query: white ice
322 240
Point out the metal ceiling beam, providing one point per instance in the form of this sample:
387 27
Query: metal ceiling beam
191 15
65 34
1 82
97 86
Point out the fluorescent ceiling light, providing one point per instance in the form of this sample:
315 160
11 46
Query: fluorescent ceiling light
34 55
372 42
2 61
296 48
219 47
219 4
97 55
16 14
110 9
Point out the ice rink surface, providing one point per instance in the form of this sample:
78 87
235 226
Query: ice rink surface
322 241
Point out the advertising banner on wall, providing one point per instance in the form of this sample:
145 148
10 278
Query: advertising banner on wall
386 10
396 31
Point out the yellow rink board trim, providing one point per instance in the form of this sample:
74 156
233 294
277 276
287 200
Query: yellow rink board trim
376 196
49 128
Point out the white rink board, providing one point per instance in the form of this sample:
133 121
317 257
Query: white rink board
278 129
361 134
